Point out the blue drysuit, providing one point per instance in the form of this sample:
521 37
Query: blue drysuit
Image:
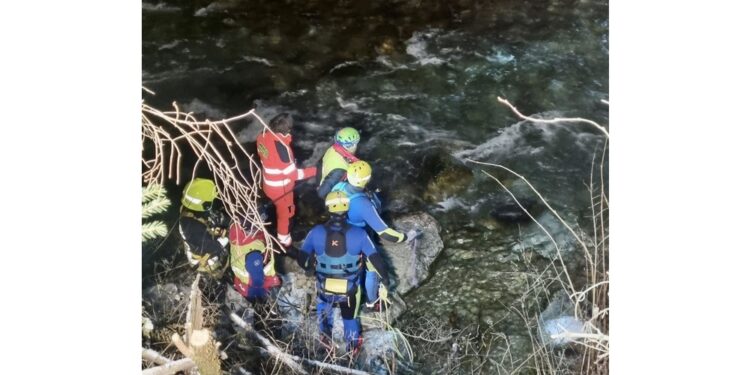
364 211
338 249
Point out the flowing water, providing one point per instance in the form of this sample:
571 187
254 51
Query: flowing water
418 79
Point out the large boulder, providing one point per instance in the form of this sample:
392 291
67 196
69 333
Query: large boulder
410 262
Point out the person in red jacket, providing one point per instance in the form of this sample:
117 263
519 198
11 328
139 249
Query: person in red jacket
252 261
280 172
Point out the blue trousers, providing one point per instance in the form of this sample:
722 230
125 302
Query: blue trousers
254 266
349 305
371 285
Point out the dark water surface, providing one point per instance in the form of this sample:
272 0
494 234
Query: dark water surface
417 78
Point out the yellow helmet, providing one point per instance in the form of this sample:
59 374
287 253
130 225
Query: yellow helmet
199 194
359 173
337 201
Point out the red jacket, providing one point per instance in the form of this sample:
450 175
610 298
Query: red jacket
277 158
239 236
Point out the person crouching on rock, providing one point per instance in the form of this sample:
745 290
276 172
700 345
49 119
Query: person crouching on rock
336 250
364 207
203 226
337 158
280 172
252 261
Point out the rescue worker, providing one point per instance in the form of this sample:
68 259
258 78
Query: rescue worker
363 211
252 261
203 226
337 158
364 205
336 249
280 172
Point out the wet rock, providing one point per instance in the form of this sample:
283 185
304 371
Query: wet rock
534 238
444 175
511 212
294 299
411 261
400 199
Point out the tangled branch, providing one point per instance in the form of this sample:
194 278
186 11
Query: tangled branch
168 136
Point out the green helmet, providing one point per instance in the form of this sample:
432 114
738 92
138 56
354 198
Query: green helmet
347 137
199 194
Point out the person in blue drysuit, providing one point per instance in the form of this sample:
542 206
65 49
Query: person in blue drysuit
336 249
364 207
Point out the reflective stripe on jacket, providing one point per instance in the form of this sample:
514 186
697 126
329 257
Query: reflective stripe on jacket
276 171
242 243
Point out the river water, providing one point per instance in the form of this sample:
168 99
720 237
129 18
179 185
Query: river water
418 79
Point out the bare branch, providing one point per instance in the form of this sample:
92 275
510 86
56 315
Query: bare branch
555 120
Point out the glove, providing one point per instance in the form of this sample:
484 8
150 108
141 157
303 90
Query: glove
292 252
412 234
223 241
383 293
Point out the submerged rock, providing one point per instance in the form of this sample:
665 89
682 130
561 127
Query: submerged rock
444 175
410 262
510 212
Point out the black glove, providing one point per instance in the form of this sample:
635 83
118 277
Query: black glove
292 252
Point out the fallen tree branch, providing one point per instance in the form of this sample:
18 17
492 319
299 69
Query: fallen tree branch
171 367
154 357
292 361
